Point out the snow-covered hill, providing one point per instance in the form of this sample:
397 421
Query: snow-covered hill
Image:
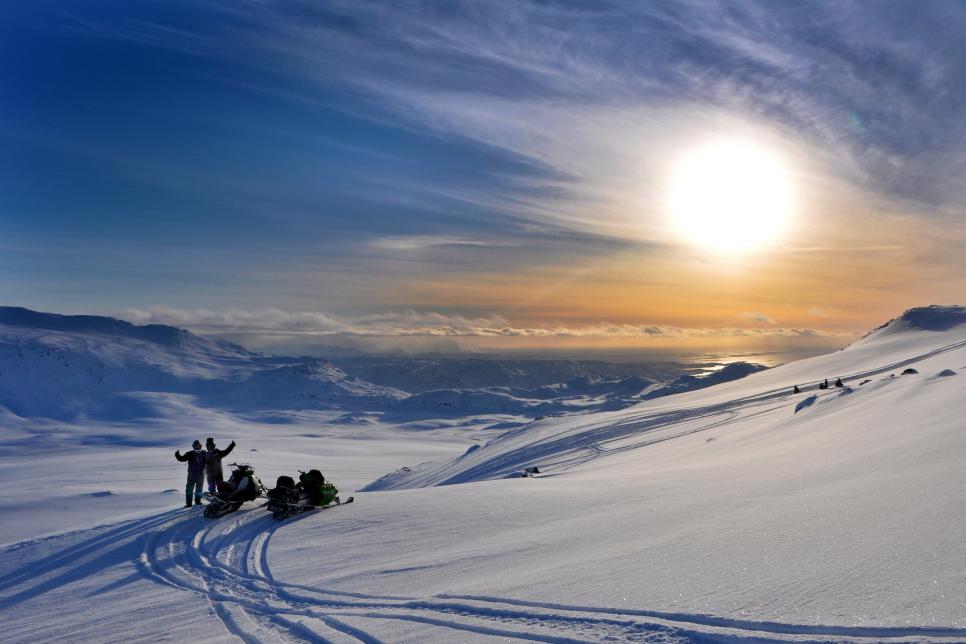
871 370
740 512
64 367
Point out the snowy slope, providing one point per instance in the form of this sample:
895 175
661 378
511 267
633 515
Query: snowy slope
716 507
555 443
715 515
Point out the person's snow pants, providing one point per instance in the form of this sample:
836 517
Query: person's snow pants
213 481
196 482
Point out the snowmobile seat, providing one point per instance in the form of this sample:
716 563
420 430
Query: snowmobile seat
246 490
284 490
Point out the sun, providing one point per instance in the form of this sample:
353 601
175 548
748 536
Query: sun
730 196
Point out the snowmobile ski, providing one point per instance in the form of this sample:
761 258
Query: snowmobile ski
286 510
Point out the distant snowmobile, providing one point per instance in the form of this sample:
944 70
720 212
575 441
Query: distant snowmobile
229 496
289 498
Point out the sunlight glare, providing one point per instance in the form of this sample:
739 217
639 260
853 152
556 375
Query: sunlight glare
730 196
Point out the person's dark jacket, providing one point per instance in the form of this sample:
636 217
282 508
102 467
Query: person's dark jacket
195 460
213 464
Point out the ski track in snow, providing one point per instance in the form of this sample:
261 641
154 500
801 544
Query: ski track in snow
226 562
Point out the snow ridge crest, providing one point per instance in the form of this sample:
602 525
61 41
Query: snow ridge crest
922 318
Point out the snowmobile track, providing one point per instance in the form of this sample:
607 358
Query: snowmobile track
227 564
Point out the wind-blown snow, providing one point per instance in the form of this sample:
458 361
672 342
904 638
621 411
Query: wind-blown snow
712 515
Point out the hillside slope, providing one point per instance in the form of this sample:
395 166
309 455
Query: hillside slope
868 369
739 512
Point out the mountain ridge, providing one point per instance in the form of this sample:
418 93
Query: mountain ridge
61 366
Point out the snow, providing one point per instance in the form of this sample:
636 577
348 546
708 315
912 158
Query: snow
75 367
729 513
805 403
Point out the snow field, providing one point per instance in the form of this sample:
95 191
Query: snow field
717 515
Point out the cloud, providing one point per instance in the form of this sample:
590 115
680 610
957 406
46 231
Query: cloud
278 323
821 311
840 249
558 118
422 242
597 99
758 317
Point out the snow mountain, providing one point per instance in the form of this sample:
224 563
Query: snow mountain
69 366
66 366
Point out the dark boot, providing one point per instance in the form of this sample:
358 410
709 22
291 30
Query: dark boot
197 500
187 500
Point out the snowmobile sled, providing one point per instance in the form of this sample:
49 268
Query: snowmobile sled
284 494
242 486
289 498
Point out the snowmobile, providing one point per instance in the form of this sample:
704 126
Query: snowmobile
289 498
229 495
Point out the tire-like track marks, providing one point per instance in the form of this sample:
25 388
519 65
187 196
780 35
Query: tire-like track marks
226 562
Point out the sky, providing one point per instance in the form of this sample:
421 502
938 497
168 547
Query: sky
472 175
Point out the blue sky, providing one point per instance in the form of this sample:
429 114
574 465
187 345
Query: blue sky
411 169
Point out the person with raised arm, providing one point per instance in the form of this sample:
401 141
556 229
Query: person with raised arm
196 460
213 470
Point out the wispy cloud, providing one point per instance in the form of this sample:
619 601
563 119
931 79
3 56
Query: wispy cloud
821 311
757 317
599 98
841 249
507 156
422 242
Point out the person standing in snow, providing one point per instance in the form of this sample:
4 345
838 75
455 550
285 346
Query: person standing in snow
213 463
196 460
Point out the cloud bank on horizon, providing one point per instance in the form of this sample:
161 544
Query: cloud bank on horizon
268 325
502 165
